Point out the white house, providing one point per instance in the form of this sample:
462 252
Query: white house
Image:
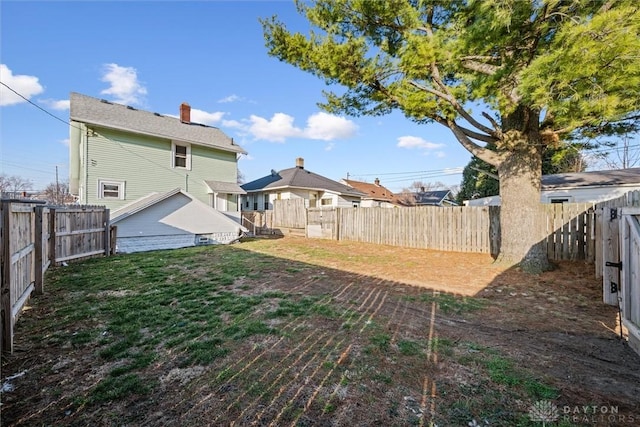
579 187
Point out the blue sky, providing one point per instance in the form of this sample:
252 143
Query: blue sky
155 55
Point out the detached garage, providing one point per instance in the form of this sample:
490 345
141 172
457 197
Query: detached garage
169 221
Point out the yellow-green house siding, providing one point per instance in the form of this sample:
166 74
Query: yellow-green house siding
144 165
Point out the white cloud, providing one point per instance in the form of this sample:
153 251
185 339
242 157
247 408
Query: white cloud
320 126
327 127
26 86
199 116
277 129
230 98
60 104
233 124
64 142
124 84
440 154
411 142
330 146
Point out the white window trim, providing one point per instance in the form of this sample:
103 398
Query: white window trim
121 188
173 155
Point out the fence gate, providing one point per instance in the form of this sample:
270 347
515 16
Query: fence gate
630 274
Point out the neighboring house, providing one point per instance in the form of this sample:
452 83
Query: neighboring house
376 195
427 198
298 183
579 187
171 220
119 154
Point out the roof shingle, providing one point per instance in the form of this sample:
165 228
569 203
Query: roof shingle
107 114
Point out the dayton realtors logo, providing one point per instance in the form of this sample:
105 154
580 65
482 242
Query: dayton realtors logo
545 411
596 414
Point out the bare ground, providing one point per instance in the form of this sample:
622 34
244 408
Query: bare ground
317 372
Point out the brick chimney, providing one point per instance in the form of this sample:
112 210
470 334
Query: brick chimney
300 163
185 113
377 182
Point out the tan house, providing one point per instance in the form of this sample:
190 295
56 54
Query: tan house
376 195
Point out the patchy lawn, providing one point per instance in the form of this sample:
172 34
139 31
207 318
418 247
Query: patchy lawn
318 333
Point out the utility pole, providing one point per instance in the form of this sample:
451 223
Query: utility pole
57 188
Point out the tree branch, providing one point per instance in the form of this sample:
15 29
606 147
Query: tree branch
480 67
482 153
495 124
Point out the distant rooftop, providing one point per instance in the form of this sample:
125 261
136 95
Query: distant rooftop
592 178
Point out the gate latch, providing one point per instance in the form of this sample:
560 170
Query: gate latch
614 264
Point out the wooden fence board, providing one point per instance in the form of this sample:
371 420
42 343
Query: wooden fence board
31 242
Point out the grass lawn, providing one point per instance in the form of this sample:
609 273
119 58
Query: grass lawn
312 333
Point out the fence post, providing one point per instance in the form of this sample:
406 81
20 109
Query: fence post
610 253
38 247
114 235
52 236
107 233
5 288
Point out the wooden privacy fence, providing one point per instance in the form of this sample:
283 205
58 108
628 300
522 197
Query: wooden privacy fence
457 229
629 292
569 227
34 236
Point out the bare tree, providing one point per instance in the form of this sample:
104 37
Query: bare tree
13 185
407 195
58 194
624 155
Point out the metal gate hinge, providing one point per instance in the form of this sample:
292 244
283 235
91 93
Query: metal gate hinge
613 287
613 214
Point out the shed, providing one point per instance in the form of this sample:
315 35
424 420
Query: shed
171 220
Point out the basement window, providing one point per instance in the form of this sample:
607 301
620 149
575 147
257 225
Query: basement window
180 156
110 189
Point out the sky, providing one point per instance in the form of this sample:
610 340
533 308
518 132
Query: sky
154 55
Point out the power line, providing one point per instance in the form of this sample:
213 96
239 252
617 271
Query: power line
35 105
102 136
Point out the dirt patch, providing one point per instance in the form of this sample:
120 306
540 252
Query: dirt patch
391 336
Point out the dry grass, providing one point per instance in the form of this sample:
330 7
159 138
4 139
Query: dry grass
310 332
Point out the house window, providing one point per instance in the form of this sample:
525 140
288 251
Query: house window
180 156
326 202
266 202
563 200
108 189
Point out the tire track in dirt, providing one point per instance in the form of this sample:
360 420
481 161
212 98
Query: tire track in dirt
365 307
290 327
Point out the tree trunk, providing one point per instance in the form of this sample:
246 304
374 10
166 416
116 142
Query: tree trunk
522 226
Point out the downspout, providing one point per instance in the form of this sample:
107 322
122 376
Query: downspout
86 166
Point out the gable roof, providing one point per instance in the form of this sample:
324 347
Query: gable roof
591 179
373 191
224 187
153 199
298 177
431 197
107 114
141 204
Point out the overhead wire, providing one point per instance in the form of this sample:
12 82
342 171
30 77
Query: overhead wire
81 129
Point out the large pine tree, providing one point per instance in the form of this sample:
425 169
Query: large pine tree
542 68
